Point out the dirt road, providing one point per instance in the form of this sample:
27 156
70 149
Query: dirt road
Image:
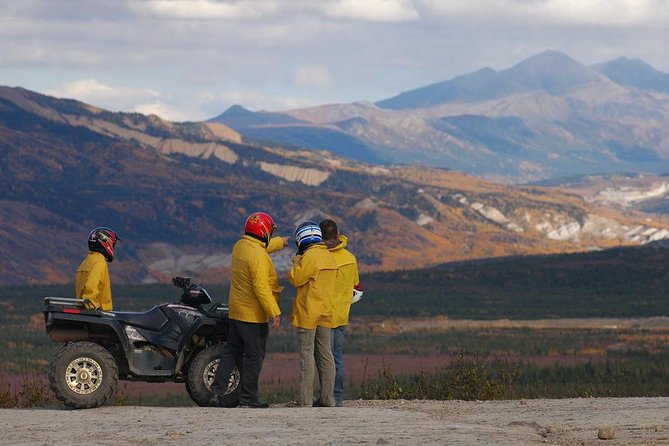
637 421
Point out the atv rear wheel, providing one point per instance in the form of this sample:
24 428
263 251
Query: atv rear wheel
201 376
83 375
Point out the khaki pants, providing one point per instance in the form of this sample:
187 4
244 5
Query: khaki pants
315 351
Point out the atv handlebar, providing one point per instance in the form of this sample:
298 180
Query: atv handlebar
193 295
181 282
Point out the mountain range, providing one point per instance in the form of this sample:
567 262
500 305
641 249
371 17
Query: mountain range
547 117
178 194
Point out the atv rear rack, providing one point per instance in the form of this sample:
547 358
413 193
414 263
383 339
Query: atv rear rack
65 302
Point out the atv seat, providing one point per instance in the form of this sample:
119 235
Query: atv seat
154 319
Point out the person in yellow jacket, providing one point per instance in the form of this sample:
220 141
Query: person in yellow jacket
253 301
91 281
348 280
314 275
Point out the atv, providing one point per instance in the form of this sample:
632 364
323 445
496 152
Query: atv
178 342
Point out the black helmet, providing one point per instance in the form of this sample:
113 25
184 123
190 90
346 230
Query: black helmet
103 240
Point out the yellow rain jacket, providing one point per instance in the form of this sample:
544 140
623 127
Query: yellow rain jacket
314 274
91 281
254 287
347 278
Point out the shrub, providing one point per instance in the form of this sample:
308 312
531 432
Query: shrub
462 379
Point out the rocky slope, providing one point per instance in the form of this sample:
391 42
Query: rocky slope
179 193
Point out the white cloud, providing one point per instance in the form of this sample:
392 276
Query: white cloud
372 10
160 56
38 54
204 9
183 107
607 12
595 12
139 100
93 92
312 77
162 110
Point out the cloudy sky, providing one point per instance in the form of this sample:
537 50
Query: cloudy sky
191 59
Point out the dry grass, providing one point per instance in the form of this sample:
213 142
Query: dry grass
28 389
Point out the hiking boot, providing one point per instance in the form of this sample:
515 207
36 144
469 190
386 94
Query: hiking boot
254 405
319 403
219 401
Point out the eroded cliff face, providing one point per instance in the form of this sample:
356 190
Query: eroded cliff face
199 150
629 195
308 176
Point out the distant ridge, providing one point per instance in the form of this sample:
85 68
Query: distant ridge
272 128
550 71
547 117
239 117
634 73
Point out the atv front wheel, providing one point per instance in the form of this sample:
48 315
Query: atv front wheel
201 376
83 375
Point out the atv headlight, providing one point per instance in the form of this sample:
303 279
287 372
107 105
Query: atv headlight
133 334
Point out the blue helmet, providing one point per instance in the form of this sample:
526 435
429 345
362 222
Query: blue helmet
307 233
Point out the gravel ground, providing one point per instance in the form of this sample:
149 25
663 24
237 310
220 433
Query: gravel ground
634 421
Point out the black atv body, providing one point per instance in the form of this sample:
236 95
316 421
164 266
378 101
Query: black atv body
180 342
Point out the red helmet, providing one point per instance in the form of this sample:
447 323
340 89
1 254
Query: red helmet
103 240
260 225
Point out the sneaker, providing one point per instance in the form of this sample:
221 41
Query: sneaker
339 404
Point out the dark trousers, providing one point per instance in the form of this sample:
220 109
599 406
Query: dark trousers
245 349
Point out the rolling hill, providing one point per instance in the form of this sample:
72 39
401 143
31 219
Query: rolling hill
178 194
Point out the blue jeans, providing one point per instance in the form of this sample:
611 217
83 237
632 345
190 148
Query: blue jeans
337 338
